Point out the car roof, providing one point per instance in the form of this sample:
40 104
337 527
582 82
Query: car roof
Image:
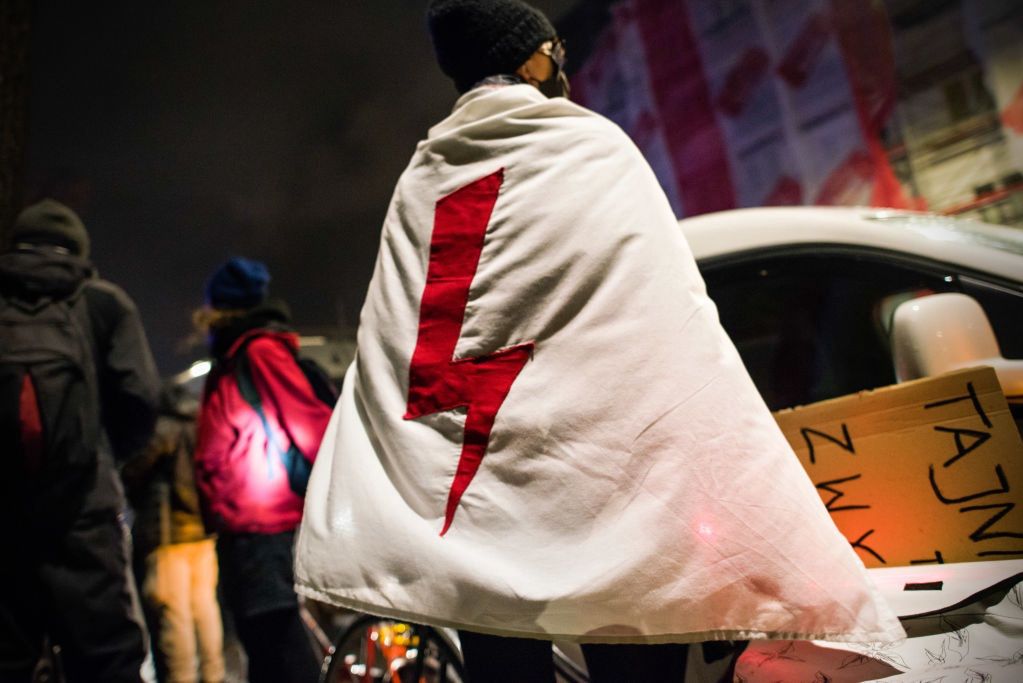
977 246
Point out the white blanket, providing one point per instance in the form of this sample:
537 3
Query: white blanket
634 487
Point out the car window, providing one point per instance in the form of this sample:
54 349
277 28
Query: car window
1004 307
814 325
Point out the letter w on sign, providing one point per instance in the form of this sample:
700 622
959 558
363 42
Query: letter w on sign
437 381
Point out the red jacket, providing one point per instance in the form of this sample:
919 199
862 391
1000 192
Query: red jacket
245 489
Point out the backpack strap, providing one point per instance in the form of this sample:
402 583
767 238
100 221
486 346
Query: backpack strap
81 314
247 387
295 463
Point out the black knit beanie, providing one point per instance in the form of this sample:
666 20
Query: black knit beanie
474 39
50 222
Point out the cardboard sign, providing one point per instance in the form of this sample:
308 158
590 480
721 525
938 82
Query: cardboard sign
928 471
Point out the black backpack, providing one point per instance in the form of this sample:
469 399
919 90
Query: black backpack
49 405
323 387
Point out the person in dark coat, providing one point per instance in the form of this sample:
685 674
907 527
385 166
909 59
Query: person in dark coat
260 427
180 584
67 573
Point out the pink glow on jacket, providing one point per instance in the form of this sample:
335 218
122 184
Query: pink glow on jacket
244 488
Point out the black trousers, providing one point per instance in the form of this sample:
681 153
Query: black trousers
78 589
493 659
278 648
258 586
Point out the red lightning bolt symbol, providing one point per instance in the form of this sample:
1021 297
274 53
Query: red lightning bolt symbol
437 381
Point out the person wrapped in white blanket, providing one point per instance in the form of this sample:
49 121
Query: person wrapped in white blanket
546 434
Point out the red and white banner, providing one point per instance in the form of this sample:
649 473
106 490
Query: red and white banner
750 104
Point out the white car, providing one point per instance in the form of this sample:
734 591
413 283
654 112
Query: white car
809 296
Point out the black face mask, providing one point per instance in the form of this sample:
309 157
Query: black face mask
557 85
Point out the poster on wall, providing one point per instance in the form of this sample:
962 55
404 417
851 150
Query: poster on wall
994 29
747 102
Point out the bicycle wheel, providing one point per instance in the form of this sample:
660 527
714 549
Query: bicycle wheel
379 650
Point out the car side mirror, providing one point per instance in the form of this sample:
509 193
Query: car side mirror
945 332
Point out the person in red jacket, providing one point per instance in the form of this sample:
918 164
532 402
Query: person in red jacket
259 429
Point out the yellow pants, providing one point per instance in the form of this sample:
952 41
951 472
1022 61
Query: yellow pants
181 587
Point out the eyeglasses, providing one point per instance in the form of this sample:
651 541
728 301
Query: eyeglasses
555 49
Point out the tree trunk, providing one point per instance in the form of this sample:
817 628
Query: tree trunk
14 37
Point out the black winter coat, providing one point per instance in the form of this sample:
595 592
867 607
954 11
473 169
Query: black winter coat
128 381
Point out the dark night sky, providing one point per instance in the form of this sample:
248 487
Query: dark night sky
187 131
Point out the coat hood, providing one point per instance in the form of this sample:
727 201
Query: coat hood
35 273
273 314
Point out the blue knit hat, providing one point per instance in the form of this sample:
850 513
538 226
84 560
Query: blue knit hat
238 283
